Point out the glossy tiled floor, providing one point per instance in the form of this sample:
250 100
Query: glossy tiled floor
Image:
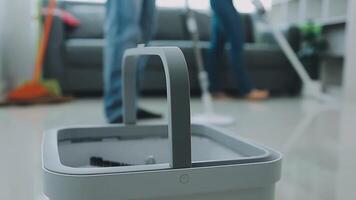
318 142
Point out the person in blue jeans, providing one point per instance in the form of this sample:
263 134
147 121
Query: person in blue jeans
128 23
227 27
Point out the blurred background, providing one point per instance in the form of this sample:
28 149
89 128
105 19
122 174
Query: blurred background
316 137
322 54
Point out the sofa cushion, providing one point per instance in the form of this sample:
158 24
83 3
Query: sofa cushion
204 25
84 53
170 25
91 17
256 54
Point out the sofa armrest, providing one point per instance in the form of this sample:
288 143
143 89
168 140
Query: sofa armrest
275 72
53 64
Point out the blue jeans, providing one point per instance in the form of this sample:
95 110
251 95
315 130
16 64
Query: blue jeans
227 27
128 23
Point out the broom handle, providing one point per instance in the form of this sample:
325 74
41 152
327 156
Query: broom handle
37 76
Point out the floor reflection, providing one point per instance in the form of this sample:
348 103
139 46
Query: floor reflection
318 142
317 160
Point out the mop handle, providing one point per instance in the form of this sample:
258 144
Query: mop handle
192 26
178 96
291 55
37 76
284 44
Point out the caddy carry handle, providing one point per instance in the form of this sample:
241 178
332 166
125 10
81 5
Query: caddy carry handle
178 96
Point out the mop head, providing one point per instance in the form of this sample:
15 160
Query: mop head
33 92
314 90
213 119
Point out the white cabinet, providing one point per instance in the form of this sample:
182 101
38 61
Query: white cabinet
331 14
299 11
350 63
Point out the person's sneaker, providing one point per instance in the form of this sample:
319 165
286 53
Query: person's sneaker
256 95
141 115
221 96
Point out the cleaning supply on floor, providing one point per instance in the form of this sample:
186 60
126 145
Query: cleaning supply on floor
39 90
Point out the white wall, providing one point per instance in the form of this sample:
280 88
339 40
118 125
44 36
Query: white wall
19 40
350 64
2 5
2 82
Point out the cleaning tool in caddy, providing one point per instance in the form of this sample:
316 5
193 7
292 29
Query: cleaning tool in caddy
208 116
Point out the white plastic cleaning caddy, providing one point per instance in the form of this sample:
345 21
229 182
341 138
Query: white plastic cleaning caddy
157 161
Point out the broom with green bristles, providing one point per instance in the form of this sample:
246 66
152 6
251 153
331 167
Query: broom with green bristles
39 90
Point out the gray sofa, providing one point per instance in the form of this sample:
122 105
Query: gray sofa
74 56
